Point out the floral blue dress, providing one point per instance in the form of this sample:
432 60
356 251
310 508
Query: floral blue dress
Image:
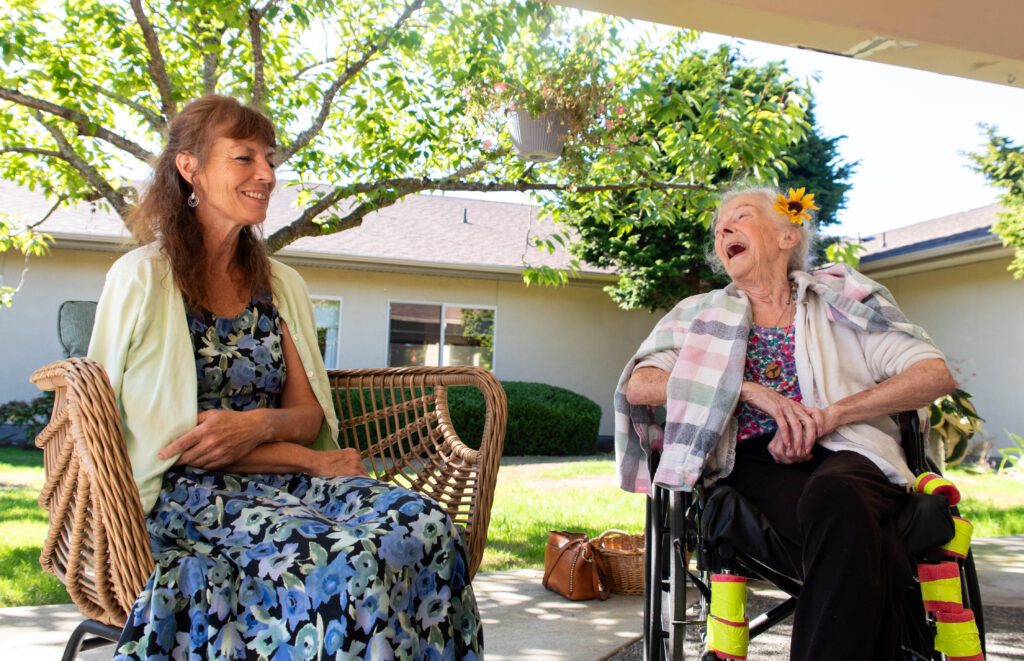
292 566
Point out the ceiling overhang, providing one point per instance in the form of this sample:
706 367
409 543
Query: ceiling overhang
979 39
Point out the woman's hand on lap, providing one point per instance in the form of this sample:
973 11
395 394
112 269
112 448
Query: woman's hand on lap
337 463
219 439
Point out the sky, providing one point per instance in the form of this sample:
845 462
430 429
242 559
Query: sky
908 129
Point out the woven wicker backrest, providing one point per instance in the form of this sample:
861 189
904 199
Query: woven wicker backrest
96 542
398 419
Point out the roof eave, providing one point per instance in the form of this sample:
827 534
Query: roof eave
110 243
980 249
424 267
95 242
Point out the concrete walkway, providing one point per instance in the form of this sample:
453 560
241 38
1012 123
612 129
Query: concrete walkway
522 620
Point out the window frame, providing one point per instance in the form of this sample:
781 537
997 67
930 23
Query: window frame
475 306
313 298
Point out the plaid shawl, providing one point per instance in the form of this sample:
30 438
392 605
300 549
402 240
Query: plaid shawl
710 331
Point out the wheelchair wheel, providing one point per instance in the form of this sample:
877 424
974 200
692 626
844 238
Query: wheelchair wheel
671 630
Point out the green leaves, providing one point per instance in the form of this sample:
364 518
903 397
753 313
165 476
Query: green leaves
1002 164
16 236
843 251
706 119
374 100
954 421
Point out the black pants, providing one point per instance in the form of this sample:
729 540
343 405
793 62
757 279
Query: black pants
836 512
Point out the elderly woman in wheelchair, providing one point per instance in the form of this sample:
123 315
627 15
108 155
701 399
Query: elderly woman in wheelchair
781 386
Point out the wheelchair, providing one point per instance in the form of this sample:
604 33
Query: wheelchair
724 532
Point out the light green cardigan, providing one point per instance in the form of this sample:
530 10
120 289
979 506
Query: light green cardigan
142 339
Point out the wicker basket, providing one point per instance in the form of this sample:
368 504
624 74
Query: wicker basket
624 557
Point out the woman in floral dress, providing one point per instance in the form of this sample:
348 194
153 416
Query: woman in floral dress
268 541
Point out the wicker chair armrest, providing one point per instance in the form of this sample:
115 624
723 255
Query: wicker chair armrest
97 542
399 419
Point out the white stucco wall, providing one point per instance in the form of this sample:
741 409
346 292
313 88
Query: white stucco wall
574 337
28 329
975 313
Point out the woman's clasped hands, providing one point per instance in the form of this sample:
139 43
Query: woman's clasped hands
799 426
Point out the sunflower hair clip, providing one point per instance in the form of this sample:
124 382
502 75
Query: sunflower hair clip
797 206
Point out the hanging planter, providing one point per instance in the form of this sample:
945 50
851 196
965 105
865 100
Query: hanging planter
540 139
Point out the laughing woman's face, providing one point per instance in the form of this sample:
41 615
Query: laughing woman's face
751 243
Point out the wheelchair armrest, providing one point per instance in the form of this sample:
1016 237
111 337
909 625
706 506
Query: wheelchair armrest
924 523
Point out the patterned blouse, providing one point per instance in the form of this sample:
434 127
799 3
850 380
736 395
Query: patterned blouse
771 363
239 360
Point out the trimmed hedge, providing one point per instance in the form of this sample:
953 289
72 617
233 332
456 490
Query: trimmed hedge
542 419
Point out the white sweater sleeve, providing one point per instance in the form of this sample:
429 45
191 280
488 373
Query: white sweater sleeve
121 303
663 360
891 352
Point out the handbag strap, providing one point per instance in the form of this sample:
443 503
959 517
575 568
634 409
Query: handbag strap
602 587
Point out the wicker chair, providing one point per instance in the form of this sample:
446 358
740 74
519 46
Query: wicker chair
97 543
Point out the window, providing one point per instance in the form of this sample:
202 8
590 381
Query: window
327 314
425 334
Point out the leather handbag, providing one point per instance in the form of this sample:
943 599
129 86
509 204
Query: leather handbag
573 568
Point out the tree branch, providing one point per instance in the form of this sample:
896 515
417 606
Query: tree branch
523 186
49 213
305 226
85 125
155 120
31 150
391 190
209 66
388 191
157 66
306 136
90 173
256 37
301 72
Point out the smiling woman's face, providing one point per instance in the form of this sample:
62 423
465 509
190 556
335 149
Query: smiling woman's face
750 242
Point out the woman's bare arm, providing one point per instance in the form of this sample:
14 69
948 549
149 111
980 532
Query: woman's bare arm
915 387
283 457
224 439
647 386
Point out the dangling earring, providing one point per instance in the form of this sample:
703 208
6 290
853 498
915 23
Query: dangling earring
192 200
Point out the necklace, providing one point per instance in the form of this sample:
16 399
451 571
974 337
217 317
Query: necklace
782 314
773 370
785 308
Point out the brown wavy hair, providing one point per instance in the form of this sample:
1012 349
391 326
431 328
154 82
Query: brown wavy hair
163 214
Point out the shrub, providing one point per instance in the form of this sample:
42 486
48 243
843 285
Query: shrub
542 419
31 416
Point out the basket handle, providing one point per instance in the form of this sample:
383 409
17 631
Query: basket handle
610 531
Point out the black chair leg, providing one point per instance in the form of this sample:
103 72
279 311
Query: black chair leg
104 635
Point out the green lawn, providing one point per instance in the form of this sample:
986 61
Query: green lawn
542 495
993 503
22 531
533 496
